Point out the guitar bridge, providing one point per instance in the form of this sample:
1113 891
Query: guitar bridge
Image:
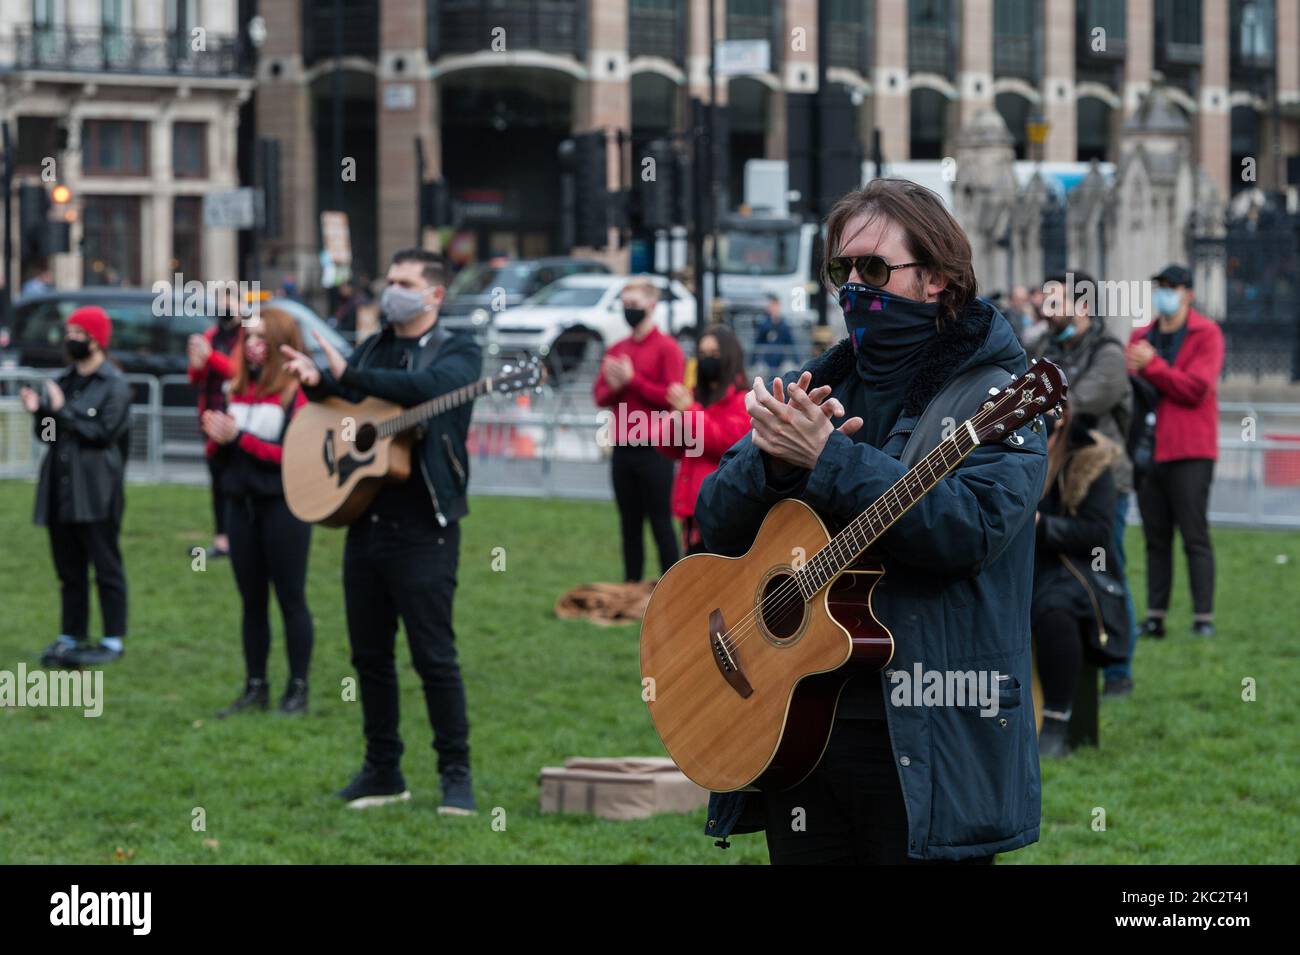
725 657
328 452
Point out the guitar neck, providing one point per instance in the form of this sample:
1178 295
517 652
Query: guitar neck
417 415
864 530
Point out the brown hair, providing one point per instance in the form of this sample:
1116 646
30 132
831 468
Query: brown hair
278 328
934 238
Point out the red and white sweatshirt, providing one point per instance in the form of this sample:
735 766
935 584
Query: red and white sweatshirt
253 459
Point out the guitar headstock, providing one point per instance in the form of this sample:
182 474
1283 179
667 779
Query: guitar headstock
519 376
1040 390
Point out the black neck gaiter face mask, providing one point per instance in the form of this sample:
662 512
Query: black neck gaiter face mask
888 331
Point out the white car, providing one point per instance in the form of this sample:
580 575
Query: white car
577 317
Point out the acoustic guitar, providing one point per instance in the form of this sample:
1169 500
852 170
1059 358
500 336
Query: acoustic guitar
338 454
743 658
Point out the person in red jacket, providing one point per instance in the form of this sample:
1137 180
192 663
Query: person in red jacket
710 420
210 367
1181 355
268 545
634 378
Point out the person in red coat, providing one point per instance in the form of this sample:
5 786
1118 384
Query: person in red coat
708 421
633 382
1181 355
211 366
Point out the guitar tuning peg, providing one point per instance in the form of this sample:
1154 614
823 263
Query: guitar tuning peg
1034 362
993 391
1037 425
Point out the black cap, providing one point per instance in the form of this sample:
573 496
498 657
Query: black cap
1174 275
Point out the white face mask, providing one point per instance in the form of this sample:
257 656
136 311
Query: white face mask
401 305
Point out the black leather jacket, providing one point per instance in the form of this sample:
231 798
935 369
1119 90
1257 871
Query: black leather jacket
446 362
87 444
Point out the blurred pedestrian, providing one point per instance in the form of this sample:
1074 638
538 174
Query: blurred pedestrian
268 545
1075 601
1094 365
210 368
1181 355
708 421
773 341
40 281
82 416
634 378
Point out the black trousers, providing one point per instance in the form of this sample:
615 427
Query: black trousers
643 488
268 546
215 467
74 548
850 810
1177 494
1059 636
405 570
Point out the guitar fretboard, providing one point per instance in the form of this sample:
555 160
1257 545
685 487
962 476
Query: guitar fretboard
421 413
849 544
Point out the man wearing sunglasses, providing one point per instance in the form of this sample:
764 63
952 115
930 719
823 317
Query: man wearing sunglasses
898 782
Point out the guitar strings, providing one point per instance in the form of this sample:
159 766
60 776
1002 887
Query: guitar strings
791 593
782 598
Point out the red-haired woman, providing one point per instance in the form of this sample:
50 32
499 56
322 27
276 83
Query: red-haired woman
268 545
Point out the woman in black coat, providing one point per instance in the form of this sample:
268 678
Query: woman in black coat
82 417
1072 594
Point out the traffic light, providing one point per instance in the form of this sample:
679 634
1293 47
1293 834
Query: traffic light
658 193
584 194
33 214
435 204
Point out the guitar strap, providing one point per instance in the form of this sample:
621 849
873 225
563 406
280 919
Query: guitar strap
956 401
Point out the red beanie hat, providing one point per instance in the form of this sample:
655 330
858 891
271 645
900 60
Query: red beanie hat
95 322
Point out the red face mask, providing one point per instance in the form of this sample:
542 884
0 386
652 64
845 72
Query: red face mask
255 351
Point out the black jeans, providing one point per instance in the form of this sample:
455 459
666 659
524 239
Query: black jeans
1059 636
408 570
643 487
215 467
852 806
1177 494
268 545
74 547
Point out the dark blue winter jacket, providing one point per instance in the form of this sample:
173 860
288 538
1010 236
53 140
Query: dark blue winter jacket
956 594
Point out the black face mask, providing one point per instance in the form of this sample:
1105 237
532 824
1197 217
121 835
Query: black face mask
78 349
710 369
633 315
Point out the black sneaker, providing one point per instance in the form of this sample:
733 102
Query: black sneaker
92 655
294 700
457 793
1203 628
1153 627
255 696
374 787
55 656
1053 741
1118 686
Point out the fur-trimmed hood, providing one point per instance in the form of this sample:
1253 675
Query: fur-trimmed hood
979 336
1083 466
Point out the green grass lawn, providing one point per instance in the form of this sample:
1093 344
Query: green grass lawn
1188 772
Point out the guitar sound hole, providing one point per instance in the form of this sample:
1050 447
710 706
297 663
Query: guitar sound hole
782 607
365 438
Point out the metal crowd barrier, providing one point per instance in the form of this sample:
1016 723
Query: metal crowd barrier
546 445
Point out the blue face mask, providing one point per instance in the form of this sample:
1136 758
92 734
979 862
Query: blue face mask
1066 333
1166 300
888 331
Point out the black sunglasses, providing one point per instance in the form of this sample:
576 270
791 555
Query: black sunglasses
871 268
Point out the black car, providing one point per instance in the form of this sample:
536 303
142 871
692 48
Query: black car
150 332
473 294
